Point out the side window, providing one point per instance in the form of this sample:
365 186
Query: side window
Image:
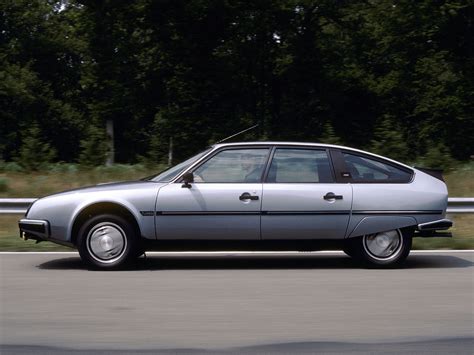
300 165
233 165
364 169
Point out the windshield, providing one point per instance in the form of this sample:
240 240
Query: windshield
170 173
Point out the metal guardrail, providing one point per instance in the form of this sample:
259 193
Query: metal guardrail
20 205
15 205
460 205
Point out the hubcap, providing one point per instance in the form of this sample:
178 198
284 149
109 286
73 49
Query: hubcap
383 245
106 242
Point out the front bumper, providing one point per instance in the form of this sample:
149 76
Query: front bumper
35 229
431 229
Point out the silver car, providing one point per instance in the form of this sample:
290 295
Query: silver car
252 196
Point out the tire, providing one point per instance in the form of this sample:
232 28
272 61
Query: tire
387 249
107 242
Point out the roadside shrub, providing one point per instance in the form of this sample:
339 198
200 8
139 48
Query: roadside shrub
63 168
437 156
3 184
389 140
121 171
10 167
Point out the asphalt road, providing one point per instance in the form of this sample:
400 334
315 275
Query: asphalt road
302 303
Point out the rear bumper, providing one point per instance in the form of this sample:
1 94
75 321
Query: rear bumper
431 229
36 229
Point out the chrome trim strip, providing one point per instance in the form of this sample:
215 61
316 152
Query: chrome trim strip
32 221
38 227
441 224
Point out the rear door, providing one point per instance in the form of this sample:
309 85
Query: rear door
301 199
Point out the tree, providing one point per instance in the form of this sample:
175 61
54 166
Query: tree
35 154
93 147
379 73
389 140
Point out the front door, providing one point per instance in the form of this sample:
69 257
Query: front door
300 198
223 202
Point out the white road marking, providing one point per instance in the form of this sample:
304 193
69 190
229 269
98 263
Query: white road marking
334 252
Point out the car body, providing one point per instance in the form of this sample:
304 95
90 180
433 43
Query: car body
257 194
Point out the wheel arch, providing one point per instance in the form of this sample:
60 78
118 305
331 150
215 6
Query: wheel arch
375 224
104 207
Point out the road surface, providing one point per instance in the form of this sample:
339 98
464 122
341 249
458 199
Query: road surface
237 303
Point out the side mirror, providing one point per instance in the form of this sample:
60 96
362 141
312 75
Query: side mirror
188 178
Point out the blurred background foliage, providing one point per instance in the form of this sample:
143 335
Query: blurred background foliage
393 77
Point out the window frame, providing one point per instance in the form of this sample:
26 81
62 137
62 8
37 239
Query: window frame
221 149
342 169
294 147
336 161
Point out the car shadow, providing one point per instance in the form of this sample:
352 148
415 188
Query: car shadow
236 262
423 346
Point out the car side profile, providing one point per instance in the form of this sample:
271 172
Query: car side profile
257 196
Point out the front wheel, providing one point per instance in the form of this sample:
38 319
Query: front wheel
383 249
107 242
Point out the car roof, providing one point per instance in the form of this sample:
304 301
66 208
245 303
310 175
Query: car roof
307 144
277 143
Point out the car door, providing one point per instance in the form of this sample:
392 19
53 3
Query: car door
300 198
223 202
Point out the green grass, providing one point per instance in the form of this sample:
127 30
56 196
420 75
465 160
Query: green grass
460 181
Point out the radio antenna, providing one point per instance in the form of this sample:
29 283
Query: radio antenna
234 135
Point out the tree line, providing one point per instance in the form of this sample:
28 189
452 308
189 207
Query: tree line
393 77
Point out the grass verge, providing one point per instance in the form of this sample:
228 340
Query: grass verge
42 183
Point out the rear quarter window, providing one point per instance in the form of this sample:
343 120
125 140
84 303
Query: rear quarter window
366 169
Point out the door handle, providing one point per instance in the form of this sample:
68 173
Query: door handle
247 196
332 196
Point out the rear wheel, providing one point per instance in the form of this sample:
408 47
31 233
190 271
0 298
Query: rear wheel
383 249
107 242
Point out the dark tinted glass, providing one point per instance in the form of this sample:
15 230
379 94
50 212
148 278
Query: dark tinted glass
366 169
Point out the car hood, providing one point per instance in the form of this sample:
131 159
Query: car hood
110 186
